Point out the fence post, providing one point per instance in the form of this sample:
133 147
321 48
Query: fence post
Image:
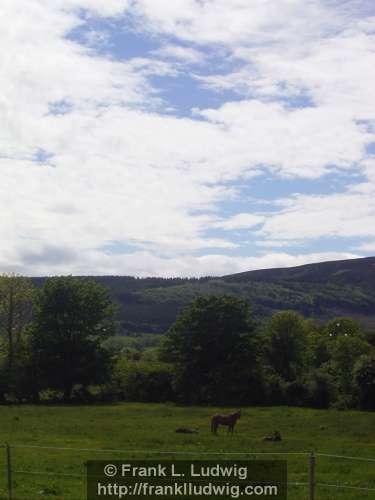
312 463
9 471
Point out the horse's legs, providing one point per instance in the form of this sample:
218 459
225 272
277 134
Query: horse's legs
214 426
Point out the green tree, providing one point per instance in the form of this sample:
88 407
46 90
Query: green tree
285 344
344 352
322 387
15 312
325 339
343 327
364 376
72 316
213 347
146 381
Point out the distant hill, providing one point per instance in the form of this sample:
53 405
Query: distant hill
320 291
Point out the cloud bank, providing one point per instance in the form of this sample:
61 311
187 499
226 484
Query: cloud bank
102 172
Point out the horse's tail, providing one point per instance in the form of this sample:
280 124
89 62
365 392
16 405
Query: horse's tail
213 424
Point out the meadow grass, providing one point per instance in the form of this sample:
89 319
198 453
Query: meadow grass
140 429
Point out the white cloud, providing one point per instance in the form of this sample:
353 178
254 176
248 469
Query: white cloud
345 215
367 247
54 260
240 221
305 142
237 21
105 8
178 52
278 243
121 170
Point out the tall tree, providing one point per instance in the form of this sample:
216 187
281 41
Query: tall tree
72 316
285 344
15 311
212 345
344 352
364 376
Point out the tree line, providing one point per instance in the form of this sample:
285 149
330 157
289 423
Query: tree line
57 343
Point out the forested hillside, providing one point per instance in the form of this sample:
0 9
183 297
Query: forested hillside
321 291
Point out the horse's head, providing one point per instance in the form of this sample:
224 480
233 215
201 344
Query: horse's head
239 413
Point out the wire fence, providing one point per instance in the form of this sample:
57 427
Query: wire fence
312 484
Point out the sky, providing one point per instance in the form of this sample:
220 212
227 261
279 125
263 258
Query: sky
185 137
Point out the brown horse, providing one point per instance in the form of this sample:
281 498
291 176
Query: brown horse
228 420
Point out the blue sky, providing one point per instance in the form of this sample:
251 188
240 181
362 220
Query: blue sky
185 138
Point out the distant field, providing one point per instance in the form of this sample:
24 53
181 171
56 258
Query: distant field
150 427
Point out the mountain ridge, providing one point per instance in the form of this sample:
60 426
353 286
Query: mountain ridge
320 290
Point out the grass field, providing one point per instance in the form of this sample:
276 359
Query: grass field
139 429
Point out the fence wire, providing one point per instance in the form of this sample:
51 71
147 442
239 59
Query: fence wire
345 457
159 452
297 484
344 487
44 473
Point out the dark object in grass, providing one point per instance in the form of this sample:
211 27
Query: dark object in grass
186 430
49 491
276 436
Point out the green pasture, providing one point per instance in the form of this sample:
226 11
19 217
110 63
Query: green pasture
140 430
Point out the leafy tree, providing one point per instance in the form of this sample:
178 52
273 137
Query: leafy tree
343 327
141 381
317 344
364 376
15 311
275 389
322 388
324 340
22 386
285 344
344 352
4 382
72 316
213 347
